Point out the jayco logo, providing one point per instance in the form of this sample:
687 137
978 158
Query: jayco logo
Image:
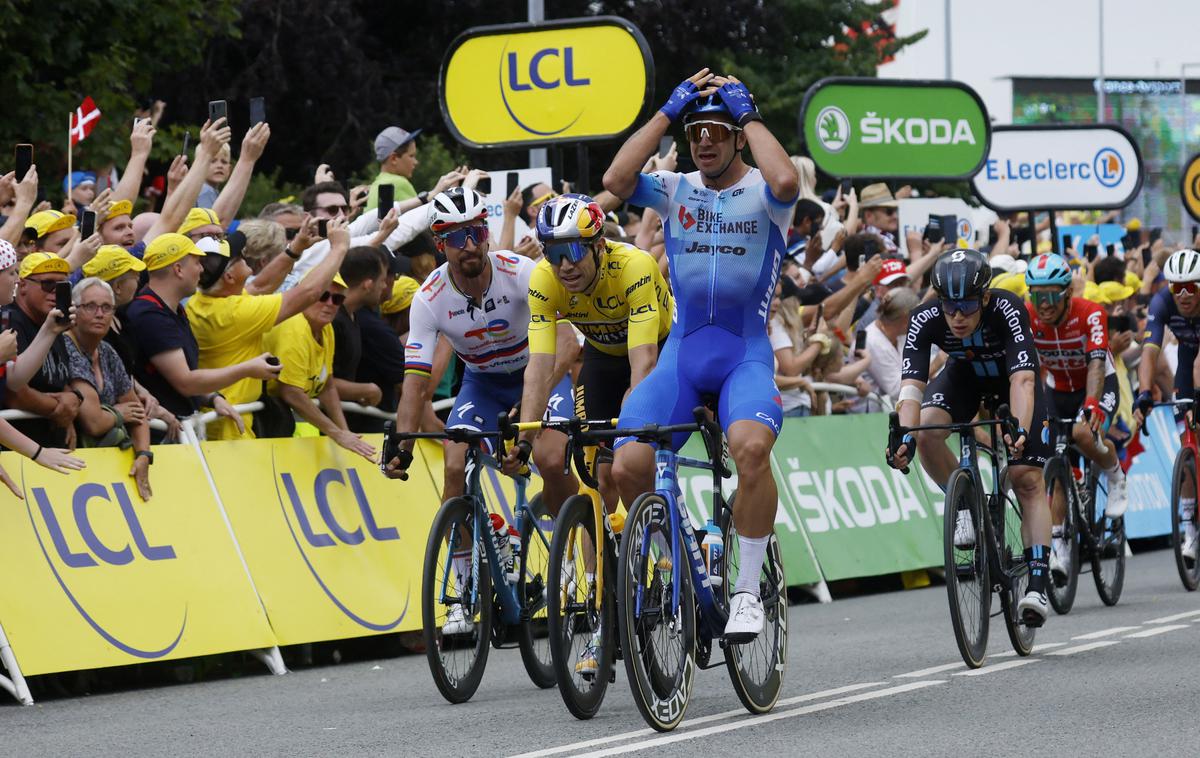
531 75
833 128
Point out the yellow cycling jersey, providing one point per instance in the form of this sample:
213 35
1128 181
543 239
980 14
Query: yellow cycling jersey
630 304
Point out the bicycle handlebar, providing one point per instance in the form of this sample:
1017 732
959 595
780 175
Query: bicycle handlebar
579 435
896 432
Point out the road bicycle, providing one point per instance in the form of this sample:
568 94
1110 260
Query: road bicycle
996 561
1073 483
1183 487
490 604
669 610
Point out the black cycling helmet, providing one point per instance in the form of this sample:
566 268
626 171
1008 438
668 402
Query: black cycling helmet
961 275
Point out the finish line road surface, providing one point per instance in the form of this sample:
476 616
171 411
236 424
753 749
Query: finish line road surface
873 675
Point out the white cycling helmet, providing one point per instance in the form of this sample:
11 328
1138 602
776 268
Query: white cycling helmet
455 206
1183 266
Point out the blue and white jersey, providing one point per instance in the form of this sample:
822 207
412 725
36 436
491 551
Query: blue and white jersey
724 248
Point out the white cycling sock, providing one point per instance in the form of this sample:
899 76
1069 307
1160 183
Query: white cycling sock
1057 530
1187 506
752 551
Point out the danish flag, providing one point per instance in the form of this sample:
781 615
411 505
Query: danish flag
83 121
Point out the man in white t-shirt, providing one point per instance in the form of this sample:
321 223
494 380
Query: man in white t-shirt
885 337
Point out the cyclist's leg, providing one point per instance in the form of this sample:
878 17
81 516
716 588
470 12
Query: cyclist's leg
603 382
481 399
951 397
1103 452
1025 474
549 447
1185 388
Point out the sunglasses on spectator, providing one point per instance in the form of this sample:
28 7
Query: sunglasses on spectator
458 238
713 131
47 285
1182 288
964 307
92 309
1047 298
571 251
197 236
337 297
333 210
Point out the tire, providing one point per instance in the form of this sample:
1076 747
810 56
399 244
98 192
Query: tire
457 663
660 664
572 623
1183 477
1108 544
756 668
1012 560
532 636
1061 484
968 585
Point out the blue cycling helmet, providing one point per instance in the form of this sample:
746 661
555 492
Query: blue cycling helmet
1048 270
705 106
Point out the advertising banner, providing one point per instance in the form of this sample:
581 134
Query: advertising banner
894 129
1078 235
1060 167
1189 188
1149 487
97 577
524 85
915 213
335 548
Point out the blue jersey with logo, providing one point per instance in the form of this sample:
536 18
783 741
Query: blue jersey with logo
724 248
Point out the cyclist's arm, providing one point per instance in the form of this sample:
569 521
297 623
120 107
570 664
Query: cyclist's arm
566 351
910 408
538 376
642 360
914 368
418 364
1021 388
773 161
621 178
1096 369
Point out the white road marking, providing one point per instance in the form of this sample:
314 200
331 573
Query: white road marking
1176 617
690 723
1037 648
668 739
931 670
1083 648
1104 633
1156 630
998 667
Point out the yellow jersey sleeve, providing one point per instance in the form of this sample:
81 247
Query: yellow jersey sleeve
641 271
543 309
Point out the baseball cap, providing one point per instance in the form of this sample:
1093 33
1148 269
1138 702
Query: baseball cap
876 196
1014 282
392 139
1133 280
1008 264
119 208
198 217
167 249
43 263
8 255
1093 292
48 222
1115 292
402 295
78 179
893 271
112 261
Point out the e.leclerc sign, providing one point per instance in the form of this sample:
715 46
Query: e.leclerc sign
1060 167
1189 187
570 80
895 128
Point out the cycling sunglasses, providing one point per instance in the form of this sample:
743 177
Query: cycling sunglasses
1181 288
965 307
1047 298
714 131
337 297
458 238
571 251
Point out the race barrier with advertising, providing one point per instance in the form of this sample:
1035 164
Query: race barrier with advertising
895 128
1060 167
527 85
1077 235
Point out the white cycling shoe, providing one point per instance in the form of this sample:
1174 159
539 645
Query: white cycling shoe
1118 500
1034 608
964 531
745 618
457 622
1189 542
1060 557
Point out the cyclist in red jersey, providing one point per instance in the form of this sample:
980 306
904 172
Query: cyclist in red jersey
1071 335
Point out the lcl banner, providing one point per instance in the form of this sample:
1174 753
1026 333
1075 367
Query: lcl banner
97 577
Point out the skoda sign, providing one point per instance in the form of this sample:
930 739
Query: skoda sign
571 80
1060 167
894 129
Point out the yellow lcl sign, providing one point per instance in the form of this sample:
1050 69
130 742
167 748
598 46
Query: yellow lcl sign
564 81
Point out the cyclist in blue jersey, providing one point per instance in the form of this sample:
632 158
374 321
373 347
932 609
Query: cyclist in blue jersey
725 227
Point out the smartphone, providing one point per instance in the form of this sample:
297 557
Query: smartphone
950 230
218 109
62 301
1147 256
1090 251
24 158
510 183
847 185
1120 323
1155 234
870 250
387 199
933 229
272 360
87 224
1110 249
860 340
323 228
664 146
484 187
258 110
187 142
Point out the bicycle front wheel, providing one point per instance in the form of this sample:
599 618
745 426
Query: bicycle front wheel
531 594
456 602
756 668
658 639
1183 487
1108 543
1061 493
967 583
1011 547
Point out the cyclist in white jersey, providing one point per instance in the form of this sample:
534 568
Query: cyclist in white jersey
479 300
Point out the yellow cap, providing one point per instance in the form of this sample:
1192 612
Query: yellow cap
1133 280
1134 225
112 261
1115 292
1093 292
1013 282
337 278
43 263
119 208
47 222
198 217
167 249
402 295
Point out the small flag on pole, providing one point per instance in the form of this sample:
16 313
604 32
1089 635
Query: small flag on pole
83 121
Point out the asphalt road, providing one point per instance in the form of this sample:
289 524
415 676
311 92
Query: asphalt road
871 675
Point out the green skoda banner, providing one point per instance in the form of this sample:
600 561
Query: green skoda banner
895 128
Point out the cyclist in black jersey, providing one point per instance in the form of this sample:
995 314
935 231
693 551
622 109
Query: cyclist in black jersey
992 359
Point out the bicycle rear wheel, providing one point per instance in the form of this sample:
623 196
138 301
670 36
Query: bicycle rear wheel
1108 543
574 622
658 641
1060 491
967 583
457 659
756 668
1183 485
532 637
1011 548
